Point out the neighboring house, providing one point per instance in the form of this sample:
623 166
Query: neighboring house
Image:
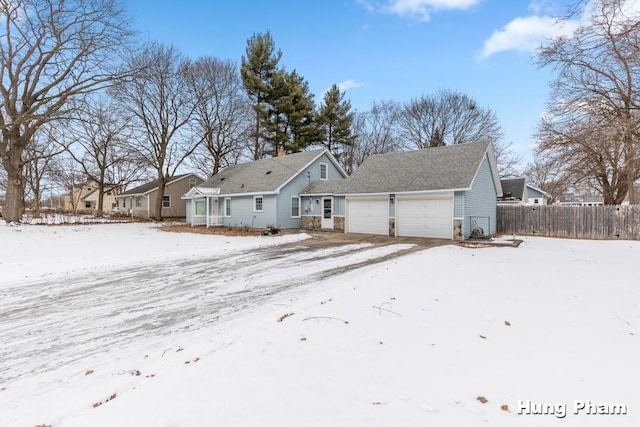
141 201
573 200
261 193
517 191
83 198
441 192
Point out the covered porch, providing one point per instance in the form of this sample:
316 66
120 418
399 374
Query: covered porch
204 208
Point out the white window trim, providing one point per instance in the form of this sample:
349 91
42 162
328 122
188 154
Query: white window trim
163 205
299 206
227 204
138 201
192 183
326 169
255 198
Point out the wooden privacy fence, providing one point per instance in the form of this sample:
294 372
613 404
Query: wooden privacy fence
578 222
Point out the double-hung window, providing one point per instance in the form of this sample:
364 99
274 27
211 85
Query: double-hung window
166 201
227 206
257 203
324 171
295 207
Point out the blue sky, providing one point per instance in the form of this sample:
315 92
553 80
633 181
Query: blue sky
382 49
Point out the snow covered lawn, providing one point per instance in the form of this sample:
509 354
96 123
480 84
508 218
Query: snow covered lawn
420 340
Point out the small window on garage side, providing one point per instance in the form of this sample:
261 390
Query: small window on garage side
227 206
324 171
257 203
166 201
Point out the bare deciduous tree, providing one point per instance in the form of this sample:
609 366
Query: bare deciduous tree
548 174
446 118
222 117
102 136
39 157
598 85
376 134
160 101
50 51
588 153
67 174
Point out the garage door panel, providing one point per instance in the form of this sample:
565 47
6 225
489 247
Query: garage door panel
368 216
425 218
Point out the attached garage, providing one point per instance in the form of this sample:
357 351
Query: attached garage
368 216
425 217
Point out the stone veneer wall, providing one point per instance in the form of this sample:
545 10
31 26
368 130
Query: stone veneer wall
338 223
311 222
457 229
392 227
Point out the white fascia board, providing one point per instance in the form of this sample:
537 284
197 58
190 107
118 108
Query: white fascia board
401 193
255 193
295 175
490 155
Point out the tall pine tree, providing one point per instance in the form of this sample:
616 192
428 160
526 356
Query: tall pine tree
259 65
335 119
292 123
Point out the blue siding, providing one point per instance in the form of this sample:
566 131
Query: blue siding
481 201
308 205
458 204
299 183
242 214
534 194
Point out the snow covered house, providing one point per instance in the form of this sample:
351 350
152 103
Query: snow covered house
441 192
260 193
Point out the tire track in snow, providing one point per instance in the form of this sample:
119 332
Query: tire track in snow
60 322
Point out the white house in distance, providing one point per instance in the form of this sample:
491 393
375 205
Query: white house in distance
516 191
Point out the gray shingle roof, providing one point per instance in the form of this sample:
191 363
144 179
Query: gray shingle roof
150 186
265 175
438 168
512 187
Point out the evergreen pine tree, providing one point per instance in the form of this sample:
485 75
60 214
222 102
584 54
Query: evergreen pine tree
292 125
335 119
259 65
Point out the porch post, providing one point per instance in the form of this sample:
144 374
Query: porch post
206 202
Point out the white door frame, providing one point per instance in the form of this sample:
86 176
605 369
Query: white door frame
327 222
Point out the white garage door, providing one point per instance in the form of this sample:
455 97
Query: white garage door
425 218
370 216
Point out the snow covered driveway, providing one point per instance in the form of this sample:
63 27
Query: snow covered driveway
62 322
70 319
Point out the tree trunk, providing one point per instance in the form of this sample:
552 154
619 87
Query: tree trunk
161 186
14 203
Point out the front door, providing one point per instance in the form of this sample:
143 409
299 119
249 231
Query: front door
327 213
